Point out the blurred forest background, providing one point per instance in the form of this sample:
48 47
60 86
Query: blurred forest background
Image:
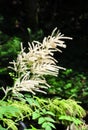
28 20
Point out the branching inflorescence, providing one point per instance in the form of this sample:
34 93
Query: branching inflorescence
32 66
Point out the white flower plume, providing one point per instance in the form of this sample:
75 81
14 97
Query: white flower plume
31 66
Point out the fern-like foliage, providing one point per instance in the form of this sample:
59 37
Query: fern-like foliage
12 111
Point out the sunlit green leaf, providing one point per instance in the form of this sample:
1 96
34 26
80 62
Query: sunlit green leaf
71 119
1 128
48 127
35 115
41 120
49 119
50 113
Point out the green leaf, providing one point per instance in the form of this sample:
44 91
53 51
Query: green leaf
68 85
50 113
44 111
30 100
51 124
41 120
8 111
2 111
44 125
71 119
49 119
32 128
12 111
48 127
35 115
1 128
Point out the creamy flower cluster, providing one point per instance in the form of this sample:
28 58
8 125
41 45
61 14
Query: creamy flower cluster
31 66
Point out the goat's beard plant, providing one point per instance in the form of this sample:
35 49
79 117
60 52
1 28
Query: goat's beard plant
31 66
